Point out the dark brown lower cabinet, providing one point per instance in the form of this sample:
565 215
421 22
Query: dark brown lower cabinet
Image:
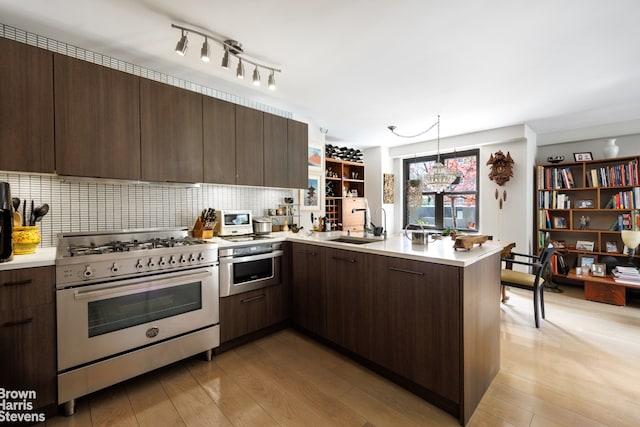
251 311
28 335
307 281
432 328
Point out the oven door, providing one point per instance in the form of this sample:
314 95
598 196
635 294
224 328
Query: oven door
246 273
102 320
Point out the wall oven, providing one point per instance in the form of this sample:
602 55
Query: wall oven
130 302
248 267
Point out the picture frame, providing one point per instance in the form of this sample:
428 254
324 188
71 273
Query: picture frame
558 244
599 269
586 261
584 204
584 245
314 157
559 222
310 197
611 246
583 157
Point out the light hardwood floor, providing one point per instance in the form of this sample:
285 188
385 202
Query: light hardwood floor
581 368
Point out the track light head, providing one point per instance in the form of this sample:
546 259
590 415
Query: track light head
205 52
240 70
256 77
272 80
225 60
391 128
183 44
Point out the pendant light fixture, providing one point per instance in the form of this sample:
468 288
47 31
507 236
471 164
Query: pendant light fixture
231 48
439 177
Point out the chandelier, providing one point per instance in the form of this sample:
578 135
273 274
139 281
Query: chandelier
231 47
439 177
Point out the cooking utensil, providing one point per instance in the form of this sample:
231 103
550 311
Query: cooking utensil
16 203
40 212
24 213
32 218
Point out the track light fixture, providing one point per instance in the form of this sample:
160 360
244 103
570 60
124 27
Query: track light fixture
183 44
231 48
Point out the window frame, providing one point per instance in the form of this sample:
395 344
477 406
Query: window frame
439 197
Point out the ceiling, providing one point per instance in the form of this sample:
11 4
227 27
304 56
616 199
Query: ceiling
355 67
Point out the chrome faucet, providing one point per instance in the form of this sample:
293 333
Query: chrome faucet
384 229
366 219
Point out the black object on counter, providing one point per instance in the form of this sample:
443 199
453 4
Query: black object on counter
6 222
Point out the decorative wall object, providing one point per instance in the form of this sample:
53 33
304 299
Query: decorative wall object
387 188
310 196
501 167
610 149
314 157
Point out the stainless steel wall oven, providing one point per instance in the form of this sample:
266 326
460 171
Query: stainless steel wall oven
129 302
248 267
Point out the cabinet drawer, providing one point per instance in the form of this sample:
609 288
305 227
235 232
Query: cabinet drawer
26 287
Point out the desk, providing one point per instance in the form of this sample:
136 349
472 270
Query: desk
602 289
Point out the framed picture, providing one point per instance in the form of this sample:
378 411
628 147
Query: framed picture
586 261
584 204
612 246
582 157
599 270
314 159
558 244
310 196
584 245
559 222
387 188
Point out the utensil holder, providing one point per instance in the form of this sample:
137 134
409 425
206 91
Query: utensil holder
25 240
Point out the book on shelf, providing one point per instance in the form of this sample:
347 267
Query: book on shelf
627 275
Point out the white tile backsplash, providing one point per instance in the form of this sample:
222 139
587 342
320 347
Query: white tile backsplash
94 206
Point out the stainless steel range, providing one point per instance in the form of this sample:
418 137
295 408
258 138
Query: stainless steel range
129 302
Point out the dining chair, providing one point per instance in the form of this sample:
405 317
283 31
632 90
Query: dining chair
533 280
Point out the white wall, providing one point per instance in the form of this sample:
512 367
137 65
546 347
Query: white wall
378 162
629 146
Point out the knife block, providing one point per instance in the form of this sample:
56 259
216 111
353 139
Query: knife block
200 232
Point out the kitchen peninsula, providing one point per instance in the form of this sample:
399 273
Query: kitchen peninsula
426 317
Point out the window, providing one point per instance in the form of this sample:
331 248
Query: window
455 208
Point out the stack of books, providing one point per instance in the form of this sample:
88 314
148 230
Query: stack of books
626 275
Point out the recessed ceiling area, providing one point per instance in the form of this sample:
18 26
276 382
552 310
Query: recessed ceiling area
356 67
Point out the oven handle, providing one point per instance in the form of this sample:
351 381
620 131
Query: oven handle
126 289
231 260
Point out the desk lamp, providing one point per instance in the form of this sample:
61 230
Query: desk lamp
631 239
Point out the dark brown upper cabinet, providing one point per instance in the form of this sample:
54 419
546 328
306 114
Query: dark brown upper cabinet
26 108
171 133
97 120
298 143
249 146
275 151
219 140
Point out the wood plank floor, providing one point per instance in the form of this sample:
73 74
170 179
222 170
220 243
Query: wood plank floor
581 368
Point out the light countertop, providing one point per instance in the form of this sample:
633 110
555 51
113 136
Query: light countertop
439 251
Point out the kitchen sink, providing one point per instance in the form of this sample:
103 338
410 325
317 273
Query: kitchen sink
354 240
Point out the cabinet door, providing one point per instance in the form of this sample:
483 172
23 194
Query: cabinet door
219 136
347 296
249 146
26 108
308 306
251 311
28 333
97 120
276 161
416 322
298 143
171 133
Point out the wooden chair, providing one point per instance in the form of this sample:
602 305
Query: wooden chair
532 281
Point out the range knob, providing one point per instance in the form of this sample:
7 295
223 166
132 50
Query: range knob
200 257
152 263
183 259
88 272
163 262
173 260
115 268
139 265
192 258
